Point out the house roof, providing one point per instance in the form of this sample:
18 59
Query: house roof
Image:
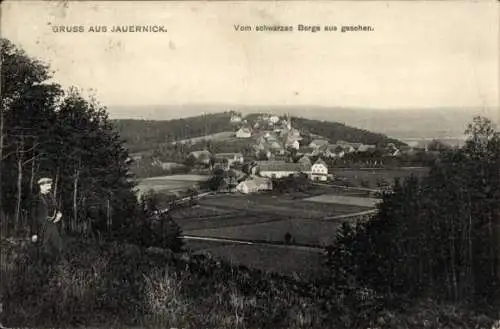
224 155
319 142
250 183
320 161
201 153
275 145
282 166
291 141
305 160
245 130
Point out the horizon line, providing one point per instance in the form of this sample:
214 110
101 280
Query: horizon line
308 105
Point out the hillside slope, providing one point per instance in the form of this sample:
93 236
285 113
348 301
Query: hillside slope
337 131
141 135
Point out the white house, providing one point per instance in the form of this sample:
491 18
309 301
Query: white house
202 157
244 133
274 119
294 144
319 171
230 157
235 118
317 143
254 184
280 169
365 148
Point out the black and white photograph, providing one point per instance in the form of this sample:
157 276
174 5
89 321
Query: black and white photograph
250 164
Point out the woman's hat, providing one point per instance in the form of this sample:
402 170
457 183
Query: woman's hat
44 180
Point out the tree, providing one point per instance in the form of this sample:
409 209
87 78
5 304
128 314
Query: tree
28 103
46 132
190 161
439 235
157 228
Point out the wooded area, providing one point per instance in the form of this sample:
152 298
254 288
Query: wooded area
437 237
46 132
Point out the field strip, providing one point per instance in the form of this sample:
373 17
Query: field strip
246 242
349 187
218 225
347 216
345 200
377 168
254 208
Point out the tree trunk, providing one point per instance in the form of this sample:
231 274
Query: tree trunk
56 183
75 193
108 221
20 155
470 260
1 155
33 171
453 261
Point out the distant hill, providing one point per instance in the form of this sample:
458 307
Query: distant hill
141 135
397 123
147 134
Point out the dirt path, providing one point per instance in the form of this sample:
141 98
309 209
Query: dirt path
264 244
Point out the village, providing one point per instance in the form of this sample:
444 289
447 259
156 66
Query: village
272 148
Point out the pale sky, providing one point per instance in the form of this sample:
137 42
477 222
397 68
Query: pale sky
420 54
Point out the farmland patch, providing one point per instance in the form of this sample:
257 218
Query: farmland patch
170 183
262 205
372 177
345 200
303 231
215 137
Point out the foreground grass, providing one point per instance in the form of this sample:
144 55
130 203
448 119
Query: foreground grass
119 285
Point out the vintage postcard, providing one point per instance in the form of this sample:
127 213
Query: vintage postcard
250 164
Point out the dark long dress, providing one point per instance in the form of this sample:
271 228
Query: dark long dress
43 225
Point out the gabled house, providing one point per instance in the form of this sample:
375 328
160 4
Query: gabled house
254 184
280 169
202 157
293 144
274 119
319 171
317 143
366 148
231 158
235 118
244 132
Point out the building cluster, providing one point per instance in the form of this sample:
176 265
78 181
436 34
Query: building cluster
271 135
325 149
273 141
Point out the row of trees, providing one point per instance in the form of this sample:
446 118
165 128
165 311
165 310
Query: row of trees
439 236
46 132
